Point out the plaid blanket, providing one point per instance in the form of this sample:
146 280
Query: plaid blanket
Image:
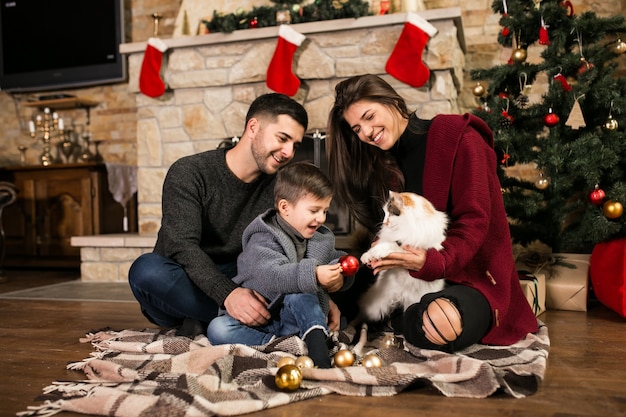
154 372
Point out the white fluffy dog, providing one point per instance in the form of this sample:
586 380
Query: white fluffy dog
411 220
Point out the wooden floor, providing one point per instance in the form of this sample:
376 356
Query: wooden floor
586 373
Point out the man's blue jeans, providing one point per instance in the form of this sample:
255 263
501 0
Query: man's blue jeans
166 294
300 313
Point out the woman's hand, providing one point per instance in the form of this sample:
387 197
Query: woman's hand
412 259
247 306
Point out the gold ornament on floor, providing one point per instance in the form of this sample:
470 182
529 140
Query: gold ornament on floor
390 341
612 209
288 378
305 362
343 358
285 360
372 361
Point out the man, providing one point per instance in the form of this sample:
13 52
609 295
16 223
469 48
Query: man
208 200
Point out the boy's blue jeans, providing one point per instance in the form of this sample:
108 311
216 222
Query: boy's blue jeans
299 314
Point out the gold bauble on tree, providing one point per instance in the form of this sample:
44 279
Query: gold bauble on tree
519 55
612 209
610 124
288 378
619 47
478 90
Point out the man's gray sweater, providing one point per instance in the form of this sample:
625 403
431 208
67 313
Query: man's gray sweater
205 211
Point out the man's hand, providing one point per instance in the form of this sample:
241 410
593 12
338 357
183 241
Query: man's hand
329 277
247 306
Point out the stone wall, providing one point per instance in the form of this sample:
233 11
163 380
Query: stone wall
213 80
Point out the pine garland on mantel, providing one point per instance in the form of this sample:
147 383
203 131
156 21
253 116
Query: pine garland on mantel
265 16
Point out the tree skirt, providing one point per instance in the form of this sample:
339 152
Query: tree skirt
154 372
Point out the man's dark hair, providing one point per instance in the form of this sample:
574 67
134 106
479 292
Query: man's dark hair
272 105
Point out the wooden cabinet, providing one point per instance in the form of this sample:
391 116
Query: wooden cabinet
55 203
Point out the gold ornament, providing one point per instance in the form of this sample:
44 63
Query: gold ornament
390 341
619 47
344 358
478 90
610 125
542 182
305 362
519 55
612 209
288 378
372 361
285 360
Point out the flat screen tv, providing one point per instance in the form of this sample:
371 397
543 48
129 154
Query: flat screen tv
49 45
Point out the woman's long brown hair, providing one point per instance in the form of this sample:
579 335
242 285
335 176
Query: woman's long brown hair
362 174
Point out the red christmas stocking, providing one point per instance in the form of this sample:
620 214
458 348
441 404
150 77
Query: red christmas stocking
405 62
280 76
150 82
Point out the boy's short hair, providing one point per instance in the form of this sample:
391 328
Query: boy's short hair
298 179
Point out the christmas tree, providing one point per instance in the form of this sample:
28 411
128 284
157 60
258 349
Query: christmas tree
573 135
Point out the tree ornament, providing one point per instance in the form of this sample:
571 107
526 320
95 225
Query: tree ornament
478 90
304 362
567 5
576 120
551 119
343 358
612 209
522 100
254 22
543 33
597 196
610 124
563 81
519 55
372 361
584 66
542 182
285 360
619 47
288 378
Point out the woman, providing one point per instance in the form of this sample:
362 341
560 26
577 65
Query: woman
374 144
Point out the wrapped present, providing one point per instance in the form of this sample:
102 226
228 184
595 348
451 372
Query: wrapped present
534 288
567 283
608 274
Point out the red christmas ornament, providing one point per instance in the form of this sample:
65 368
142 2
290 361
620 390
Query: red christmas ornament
543 33
505 31
584 66
551 119
507 116
560 78
597 196
254 23
349 265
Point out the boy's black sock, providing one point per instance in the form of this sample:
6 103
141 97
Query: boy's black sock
318 350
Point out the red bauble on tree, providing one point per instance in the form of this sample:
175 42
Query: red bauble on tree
597 196
551 119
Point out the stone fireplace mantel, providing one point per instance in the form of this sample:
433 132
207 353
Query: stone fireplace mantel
213 78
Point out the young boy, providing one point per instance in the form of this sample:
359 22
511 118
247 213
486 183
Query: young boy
289 258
